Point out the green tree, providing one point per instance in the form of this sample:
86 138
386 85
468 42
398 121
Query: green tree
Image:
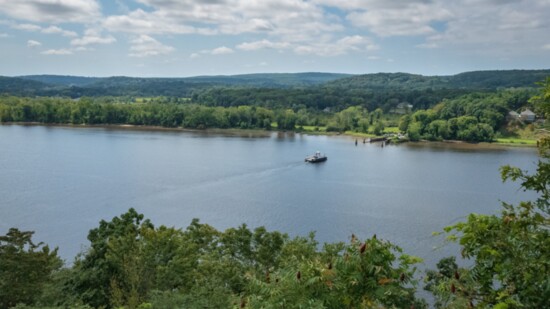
542 99
286 120
349 118
96 270
363 125
438 129
404 122
129 260
415 131
378 128
358 275
25 268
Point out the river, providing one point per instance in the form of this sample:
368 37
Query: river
61 181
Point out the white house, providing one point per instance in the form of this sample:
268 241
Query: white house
402 108
512 115
527 116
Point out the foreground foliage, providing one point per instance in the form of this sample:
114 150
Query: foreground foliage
132 264
26 268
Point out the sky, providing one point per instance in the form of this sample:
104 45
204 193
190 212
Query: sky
178 38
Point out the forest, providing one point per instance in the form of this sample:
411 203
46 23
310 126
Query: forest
319 90
131 263
472 117
470 106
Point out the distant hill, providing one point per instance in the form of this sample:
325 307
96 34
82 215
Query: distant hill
271 79
252 85
77 86
257 80
21 87
499 79
390 81
62 80
477 80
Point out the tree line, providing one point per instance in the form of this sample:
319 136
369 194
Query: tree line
173 112
472 117
334 97
111 111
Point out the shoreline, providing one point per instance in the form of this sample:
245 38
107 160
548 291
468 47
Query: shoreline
262 133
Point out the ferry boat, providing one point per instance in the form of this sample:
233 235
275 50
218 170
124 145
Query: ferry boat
316 158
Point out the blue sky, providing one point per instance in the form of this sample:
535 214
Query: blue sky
222 37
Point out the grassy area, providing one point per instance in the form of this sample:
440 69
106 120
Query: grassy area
359 134
314 128
516 141
521 136
392 118
391 130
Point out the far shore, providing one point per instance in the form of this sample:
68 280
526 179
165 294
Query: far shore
265 133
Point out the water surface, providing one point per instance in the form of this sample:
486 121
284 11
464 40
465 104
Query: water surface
60 182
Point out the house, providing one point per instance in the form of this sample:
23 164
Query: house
512 115
527 116
402 108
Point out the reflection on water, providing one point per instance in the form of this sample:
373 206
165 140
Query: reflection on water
61 181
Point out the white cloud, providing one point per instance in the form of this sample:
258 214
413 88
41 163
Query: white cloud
93 36
342 46
367 4
286 20
495 28
467 26
48 30
57 30
407 20
325 47
357 42
144 46
503 29
55 11
141 22
57 52
4 35
82 48
33 43
263 44
223 50
26 27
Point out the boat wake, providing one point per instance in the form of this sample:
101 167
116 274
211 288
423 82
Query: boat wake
257 174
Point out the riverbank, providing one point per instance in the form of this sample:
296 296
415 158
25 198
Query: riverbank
130 127
503 142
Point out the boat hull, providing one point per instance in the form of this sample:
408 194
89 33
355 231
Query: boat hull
316 159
